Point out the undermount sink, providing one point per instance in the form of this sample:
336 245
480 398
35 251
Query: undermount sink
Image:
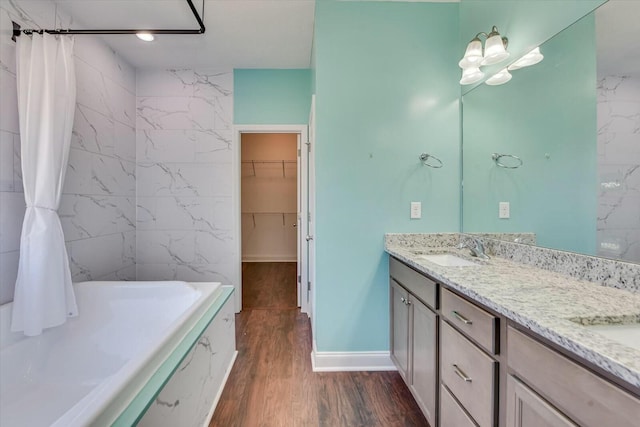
448 260
627 334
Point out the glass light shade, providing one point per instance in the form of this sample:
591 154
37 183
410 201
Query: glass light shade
494 50
473 55
145 36
471 76
530 58
499 78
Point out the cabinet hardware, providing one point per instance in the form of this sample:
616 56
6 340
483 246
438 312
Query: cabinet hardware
461 318
461 374
404 301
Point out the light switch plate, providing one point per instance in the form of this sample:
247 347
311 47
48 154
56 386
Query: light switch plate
416 210
504 210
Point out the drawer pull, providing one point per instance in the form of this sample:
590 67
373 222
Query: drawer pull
461 374
461 318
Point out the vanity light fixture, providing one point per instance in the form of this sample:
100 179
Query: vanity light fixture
495 48
471 75
473 55
495 51
499 78
145 36
530 58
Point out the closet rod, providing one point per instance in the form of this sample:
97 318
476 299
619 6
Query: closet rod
17 30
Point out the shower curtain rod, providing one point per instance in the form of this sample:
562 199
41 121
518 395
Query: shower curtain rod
17 30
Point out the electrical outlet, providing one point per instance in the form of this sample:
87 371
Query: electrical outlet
416 210
504 210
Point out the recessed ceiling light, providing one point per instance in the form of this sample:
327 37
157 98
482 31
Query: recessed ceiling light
146 36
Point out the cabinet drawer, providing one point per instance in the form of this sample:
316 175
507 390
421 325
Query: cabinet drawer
469 374
472 320
419 285
451 414
579 393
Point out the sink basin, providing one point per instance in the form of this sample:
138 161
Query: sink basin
628 335
448 260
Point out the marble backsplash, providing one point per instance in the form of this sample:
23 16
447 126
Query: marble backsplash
606 272
97 209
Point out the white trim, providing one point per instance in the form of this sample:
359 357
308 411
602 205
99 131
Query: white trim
220 390
343 361
238 130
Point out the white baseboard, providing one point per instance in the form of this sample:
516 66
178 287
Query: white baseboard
220 390
342 361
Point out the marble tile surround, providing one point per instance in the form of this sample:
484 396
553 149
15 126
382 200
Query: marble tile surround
619 167
187 398
184 176
605 272
97 209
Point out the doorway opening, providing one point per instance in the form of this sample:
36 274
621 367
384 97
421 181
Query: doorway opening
268 200
273 217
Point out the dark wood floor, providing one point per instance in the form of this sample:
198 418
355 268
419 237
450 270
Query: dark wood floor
269 285
272 383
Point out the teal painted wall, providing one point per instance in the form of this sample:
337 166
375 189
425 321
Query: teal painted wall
526 23
547 109
386 82
271 96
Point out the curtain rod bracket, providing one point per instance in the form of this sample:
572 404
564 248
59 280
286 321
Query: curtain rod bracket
16 30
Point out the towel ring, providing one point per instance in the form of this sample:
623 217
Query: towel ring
496 158
424 158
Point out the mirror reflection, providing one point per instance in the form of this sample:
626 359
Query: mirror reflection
556 150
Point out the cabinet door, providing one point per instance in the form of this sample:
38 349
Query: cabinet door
400 329
526 409
424 370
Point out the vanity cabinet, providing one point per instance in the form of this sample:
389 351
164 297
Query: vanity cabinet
400 316
546 388
469 370
414 339
527 409
468 366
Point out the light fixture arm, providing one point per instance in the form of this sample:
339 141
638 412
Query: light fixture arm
494 32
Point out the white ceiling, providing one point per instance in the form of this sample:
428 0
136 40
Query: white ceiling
277 33
239 33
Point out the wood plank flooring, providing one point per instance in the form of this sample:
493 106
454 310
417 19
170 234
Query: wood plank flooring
267 285
272 383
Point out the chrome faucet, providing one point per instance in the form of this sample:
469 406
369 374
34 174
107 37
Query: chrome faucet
477 248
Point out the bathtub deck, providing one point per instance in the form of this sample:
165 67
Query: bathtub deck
272 382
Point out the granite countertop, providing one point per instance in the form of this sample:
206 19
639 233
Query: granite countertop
550 304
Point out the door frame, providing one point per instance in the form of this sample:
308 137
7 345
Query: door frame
238 130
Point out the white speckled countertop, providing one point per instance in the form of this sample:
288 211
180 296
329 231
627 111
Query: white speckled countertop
544 302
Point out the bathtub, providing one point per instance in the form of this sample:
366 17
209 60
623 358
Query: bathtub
107 365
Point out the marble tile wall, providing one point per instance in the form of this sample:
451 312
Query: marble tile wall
619 167
184 175
97 210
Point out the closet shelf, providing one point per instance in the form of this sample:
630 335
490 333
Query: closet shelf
253 215
253 164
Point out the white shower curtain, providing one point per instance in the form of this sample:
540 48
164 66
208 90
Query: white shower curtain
46 103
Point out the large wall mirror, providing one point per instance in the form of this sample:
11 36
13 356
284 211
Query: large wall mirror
573 122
